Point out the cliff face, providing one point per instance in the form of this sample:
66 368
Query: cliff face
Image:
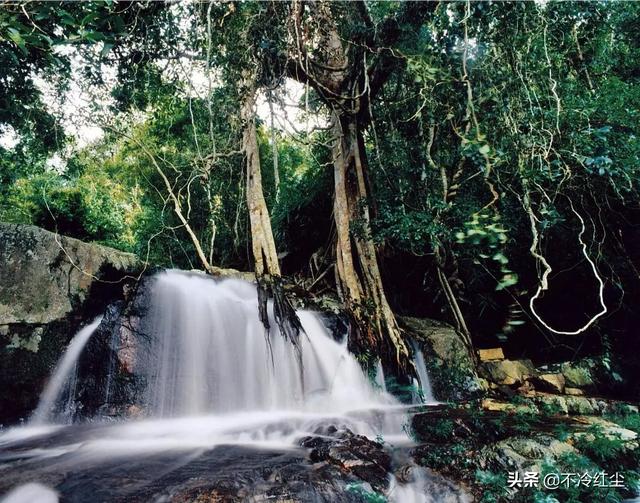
49 286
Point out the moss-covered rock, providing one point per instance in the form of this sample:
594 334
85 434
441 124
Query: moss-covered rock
49 286
508 372
478 448
450 363
579 374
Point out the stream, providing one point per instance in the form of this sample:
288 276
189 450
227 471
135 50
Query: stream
224 411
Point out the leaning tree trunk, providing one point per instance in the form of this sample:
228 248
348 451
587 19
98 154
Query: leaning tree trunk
262 242
263 245
357 270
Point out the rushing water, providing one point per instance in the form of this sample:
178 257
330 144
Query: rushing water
63 376
213 356
424 383
214 377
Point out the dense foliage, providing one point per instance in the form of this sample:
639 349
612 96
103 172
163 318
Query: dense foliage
502 148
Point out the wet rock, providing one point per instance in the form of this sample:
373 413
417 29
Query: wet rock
353 454
111 380
49 286
507 437
554 383
490 354
336 322
483 384
580 405
625 409
222 474
507 372
578 374
442 340
525 389
450 364
609 430
430 482
50 275
499 406
552 403
318 448
524 454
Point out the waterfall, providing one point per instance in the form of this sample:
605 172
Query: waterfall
211 374
63 376
379 377
424 382
211 354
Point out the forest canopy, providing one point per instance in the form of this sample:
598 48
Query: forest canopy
476 162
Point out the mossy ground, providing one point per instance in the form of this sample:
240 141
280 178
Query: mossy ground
479 448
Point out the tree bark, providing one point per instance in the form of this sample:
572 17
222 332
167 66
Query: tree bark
347 78
274 147
265 256
358 273
344 80
262 242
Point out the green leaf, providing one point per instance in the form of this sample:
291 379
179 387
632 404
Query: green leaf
105 49
507 281
17 39
499 257
93 36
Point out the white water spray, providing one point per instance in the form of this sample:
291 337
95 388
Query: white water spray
64 374
214 376
424 382
211 354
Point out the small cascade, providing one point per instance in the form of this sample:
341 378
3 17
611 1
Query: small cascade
422 486
64 377
411 491
423 383
379 377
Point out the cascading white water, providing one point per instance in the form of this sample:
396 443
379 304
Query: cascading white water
215 376
423 376
64 374
31 493
211 354
379 378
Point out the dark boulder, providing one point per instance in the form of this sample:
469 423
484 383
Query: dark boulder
49 286
353 454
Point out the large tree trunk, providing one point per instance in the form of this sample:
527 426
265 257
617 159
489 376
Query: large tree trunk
265 256
347 78
263 245
358 273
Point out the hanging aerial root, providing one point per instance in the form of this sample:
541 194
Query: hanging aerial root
283 311
263 299
285 314
544 285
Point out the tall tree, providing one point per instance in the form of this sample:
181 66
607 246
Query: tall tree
337 49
